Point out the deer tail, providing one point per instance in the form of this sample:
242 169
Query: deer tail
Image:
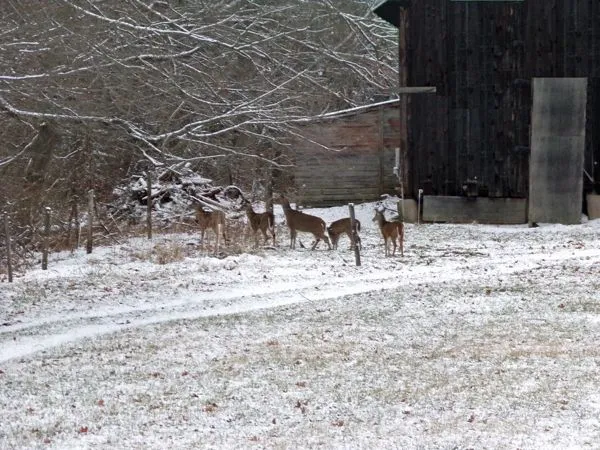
400 227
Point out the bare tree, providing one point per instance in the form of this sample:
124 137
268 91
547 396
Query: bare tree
219 84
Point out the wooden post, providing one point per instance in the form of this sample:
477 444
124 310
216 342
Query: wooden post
8 249
149 205
73 218
69 224
219 232
90 221
353 235
46 239
419 200
77 224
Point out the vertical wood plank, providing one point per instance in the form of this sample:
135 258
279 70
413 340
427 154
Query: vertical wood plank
8 248
90 225
46 238
149 205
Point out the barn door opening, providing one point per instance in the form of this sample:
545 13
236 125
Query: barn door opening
557 150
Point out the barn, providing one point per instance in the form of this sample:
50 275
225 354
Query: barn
512 132
348 155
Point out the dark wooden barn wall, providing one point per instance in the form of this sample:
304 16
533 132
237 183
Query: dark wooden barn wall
481 56
591 162
356 164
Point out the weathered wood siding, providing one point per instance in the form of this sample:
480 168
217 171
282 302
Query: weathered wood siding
481 56
348 158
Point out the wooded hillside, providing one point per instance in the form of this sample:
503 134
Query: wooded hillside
93 91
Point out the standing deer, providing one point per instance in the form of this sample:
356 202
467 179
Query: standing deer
390 230
342 226
299 221
210 219
260 221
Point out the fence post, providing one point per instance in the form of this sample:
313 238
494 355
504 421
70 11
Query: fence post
149 205
8 249
90 220
353 234
73 224
47 212
419 206
219 233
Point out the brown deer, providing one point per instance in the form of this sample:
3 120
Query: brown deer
264 222
299 221
390 230
342 226
210 219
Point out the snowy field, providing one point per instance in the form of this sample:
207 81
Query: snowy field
479 337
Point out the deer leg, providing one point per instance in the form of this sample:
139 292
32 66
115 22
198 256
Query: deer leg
357 241
252 232
224 233
218 237
334 241
292 239
316 242
217 230
264 232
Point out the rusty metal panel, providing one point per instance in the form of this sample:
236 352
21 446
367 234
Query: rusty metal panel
557 150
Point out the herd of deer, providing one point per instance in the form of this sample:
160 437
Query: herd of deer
300 221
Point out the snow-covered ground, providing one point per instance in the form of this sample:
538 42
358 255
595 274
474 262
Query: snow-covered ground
479 337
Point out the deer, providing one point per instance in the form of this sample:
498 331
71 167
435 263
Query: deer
390 230
264 222
210 219
341 226
299 221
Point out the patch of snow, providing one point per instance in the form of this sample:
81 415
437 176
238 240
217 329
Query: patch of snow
480 336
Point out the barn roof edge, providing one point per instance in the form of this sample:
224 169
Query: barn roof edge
389 10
